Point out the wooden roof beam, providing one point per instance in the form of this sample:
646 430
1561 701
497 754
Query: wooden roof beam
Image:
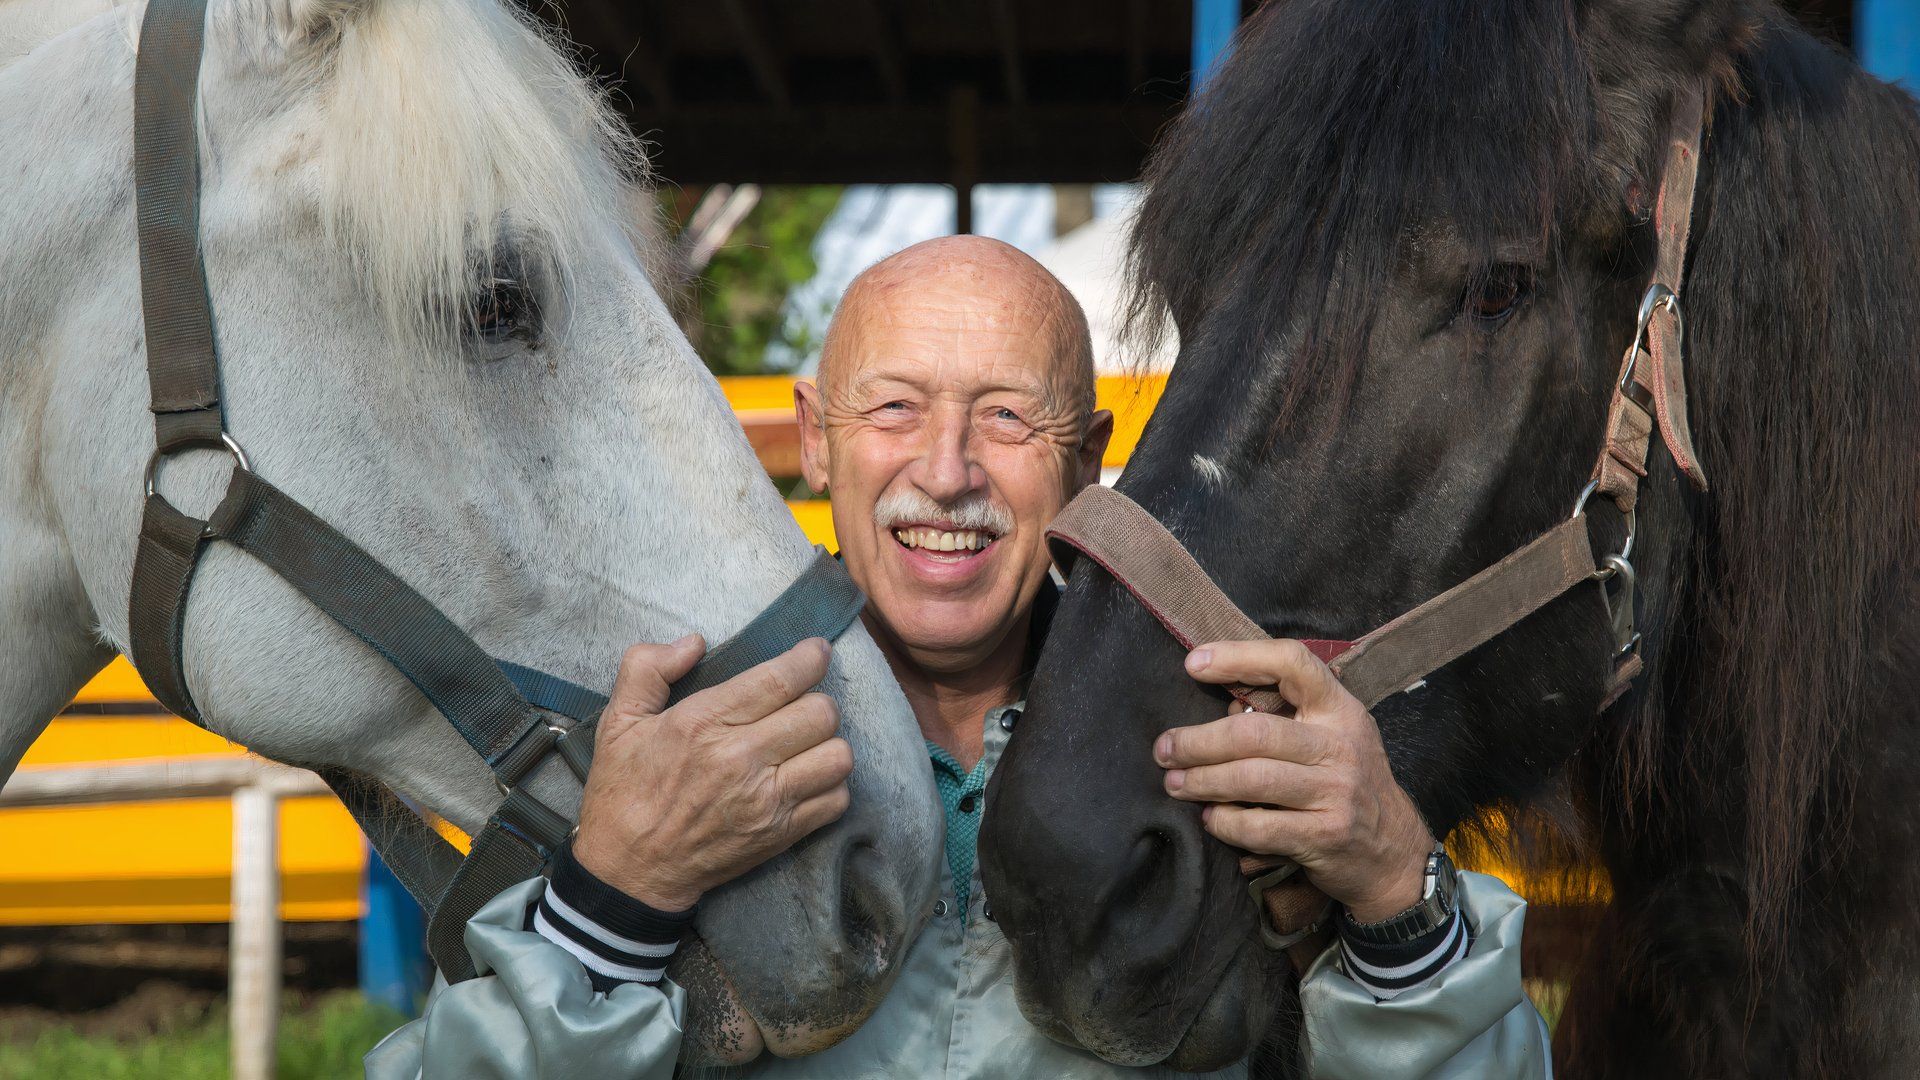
1006 36
757 47
1136 44
888 55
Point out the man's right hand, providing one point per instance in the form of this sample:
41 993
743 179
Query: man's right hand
684 799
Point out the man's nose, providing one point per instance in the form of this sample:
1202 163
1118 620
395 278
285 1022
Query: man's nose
949 471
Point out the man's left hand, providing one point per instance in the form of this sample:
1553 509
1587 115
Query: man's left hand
1318 784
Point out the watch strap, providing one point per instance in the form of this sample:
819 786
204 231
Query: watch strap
1434 911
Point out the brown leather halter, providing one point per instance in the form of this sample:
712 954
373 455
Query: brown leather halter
512 716
1144 557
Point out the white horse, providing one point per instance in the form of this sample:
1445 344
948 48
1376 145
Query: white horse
436 333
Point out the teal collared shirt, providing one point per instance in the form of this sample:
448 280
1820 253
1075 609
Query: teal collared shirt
963 794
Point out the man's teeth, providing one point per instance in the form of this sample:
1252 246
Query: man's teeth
935 540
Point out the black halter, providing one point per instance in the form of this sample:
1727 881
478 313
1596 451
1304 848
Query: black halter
512 716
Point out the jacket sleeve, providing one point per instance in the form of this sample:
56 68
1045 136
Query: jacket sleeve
1473 1020
532 1013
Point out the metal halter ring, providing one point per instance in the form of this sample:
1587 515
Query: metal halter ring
1657 296
1626 549
226 443
559 734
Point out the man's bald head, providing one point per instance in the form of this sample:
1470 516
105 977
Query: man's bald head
953 417
992 283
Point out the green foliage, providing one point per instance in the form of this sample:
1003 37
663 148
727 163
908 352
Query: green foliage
742 290
323 1041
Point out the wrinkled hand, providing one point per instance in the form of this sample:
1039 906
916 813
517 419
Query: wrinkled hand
683 800
1321 791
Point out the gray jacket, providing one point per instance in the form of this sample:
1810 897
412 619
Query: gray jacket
951 1014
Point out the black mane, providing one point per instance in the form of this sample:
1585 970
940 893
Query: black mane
1313 152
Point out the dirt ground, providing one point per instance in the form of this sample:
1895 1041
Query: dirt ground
130 981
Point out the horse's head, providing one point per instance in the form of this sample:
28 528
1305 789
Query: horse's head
1403 245
435 332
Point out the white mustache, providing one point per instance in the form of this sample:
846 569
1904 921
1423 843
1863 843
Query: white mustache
975 512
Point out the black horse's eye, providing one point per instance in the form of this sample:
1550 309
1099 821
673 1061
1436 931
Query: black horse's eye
1490 299
504 310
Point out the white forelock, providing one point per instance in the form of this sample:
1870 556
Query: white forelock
450 130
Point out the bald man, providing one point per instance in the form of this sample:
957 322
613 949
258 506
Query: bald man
952 418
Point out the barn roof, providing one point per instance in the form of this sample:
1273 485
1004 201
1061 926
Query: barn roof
895 91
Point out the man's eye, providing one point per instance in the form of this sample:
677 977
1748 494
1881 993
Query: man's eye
1006 414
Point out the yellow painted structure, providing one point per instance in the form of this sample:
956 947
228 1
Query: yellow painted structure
172 861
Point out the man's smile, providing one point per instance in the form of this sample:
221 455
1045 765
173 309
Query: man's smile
937 553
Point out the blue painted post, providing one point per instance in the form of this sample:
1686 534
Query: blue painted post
394 968
1887 38
1213 25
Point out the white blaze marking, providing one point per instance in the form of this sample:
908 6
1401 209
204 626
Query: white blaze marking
1211 471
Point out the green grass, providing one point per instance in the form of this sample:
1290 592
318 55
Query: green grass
323 1041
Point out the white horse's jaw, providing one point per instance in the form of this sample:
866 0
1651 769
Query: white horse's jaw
558 504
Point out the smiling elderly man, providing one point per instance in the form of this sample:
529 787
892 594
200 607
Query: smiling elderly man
952 417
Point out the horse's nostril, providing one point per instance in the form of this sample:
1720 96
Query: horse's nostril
867 923
1146 859
1152 902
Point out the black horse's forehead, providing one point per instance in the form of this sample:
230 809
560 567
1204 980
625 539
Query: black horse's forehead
1440 245
1393 116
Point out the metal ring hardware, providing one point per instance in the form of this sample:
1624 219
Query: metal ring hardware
559 733
1657 296
1626 549
226 443
1274 939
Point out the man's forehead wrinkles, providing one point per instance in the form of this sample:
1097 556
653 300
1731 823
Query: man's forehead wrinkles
951 376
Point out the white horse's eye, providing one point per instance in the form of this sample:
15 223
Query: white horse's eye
504 311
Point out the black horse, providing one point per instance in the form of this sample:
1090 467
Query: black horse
1402 243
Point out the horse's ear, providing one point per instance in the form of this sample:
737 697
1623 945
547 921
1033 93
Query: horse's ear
309 24
1640 51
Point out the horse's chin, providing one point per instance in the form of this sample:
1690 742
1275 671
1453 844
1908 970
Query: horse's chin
721 1027
1236 1015
1223 1029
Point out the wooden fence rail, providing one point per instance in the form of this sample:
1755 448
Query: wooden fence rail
256 788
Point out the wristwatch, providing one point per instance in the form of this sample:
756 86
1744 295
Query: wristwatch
1439 899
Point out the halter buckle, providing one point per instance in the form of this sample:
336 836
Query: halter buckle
1657 296
1257 887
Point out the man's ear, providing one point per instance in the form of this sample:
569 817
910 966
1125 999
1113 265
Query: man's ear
811 413
1093 448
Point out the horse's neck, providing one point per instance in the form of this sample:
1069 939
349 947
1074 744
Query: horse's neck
52 234
25 25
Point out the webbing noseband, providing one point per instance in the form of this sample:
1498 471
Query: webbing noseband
512 716
1147 560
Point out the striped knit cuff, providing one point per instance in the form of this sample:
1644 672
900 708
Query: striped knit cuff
1387 971
617 938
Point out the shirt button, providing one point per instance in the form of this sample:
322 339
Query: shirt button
1008 719
966 804
987 910
939 909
